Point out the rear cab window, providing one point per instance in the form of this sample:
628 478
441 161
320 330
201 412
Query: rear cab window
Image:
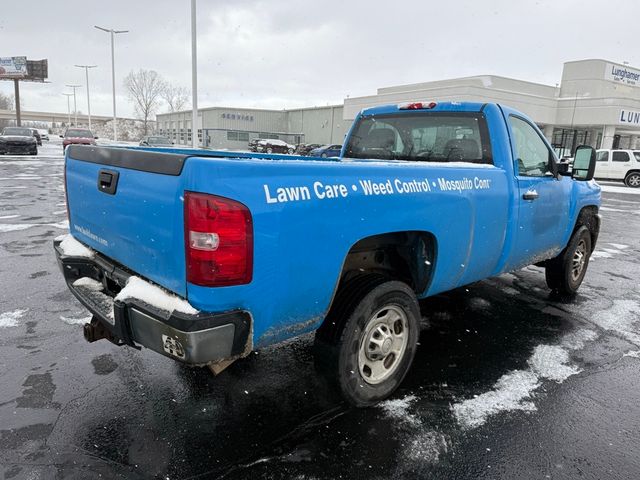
422 137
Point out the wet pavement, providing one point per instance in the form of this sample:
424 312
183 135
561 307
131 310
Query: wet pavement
508 382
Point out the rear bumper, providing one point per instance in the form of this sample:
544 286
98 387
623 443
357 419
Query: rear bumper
194 339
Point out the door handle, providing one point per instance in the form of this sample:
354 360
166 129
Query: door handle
530 195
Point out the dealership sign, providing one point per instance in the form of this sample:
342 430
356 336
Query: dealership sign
13 67
628 76
629 117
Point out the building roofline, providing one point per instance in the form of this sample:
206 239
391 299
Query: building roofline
250 109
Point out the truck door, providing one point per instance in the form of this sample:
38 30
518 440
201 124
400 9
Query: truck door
543 200
620 164
602 164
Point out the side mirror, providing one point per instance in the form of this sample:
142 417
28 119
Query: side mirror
584 163
144 143
61 136
95 138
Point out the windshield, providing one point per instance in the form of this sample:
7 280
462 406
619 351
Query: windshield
25 132
422 137
159 140
78 133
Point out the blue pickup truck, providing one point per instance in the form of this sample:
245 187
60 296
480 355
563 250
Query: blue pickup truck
205 256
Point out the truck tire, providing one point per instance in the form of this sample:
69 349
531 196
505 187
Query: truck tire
565 273
632 179
369 339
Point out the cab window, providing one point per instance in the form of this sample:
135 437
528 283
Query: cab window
602 156
532 153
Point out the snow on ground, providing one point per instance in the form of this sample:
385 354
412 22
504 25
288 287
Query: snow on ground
398 408
154 296
10 319
609 252
72 247
620 189
516 390
14 227
76 321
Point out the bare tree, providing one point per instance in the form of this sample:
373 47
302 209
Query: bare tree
6 103
144 88
177 97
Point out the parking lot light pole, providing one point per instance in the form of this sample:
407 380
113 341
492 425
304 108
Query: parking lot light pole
68 95
75 108
194 79
86 71
113 74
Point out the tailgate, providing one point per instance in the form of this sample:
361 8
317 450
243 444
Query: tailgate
127 204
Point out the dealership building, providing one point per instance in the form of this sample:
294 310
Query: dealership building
597 102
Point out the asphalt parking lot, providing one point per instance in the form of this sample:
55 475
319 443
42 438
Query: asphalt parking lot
508 382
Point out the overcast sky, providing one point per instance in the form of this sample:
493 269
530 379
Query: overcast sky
279 54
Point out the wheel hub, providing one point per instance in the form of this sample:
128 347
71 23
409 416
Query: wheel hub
579 260
383 344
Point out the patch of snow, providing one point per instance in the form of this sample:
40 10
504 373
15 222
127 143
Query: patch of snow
552 362
73 248
632 353
154 296
622 318
10 319
6 217
600 254
89 283
76 321
619 246
427 447
14 227
615 189
577 340
480 303
398 408
511 392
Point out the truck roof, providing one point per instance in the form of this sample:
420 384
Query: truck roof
440 106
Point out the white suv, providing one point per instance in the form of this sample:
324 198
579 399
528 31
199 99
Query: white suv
619 165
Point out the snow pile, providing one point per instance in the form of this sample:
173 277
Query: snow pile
10 319
399 409
515 390
76 321
89 284
73 248
154 296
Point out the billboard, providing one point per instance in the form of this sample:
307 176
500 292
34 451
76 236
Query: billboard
13 67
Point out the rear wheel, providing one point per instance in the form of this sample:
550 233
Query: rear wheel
290 151
324 155
368 341
269 150
632 180
564 274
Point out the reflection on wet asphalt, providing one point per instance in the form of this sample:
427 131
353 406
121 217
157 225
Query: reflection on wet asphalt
508 381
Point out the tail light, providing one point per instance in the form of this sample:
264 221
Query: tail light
218 240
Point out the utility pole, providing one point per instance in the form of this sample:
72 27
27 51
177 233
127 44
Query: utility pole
194 79
86 71
113 74
68 95
75 108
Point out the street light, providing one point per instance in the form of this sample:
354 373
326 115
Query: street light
75 108
194 79
113 74
68 108
86 71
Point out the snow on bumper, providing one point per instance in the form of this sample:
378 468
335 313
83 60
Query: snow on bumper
137 313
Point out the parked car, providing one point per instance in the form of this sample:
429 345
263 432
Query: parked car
37 136
305 148
156 141
619 165
273 145
18 140
326 151
219 258
44 134
77 136
253 144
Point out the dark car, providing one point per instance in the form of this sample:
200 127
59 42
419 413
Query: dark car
36 134
18 140
77 136
253 144
156 141
273 145
326 151
305 148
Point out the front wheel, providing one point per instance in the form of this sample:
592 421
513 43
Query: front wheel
269 150
564 274
632 180
377 323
